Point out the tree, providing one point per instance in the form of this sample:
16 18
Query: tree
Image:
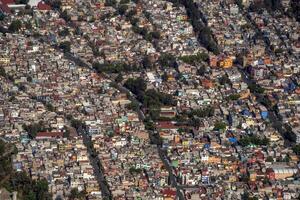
119 78
75 194
122 9
133 170
296 149
233 97
202 113
146 62
168 60
155 34
254 88
201 71
194 59
50 107
2 72
255 140
77 124
55 4
111 3
224 80
133 106
2 16
34 128
65 46
136 86
22 1
220 126
15 26
124 1
41 188
269 159
65 16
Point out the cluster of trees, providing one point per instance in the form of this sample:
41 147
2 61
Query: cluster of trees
35 128
202 113
112 3
194 59
167 60
224 80
154 99
75 194
2 72
271 5
55 4
219 126
20 181
256 89
233 97
133 170
295 7
15 26
151 99
64 15
116 67
65 46
136 86
149 36
204 33
296 149
2 16
75 123
247 140
5 161
29 189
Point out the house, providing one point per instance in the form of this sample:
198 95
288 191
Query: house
42 6
48 135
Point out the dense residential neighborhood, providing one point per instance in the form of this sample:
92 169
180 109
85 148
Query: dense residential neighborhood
149 99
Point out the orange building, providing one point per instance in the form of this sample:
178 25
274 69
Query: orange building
213 61
207 83
226 63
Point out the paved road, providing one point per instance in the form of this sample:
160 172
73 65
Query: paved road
131 97
173 180
95 162
277 124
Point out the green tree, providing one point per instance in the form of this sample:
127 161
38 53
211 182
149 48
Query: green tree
2 16
167 60
269 159
15 26
65 46
233 97
296 149
136 86
133 106
2 72
122 9
220 126
119 78
22 1
111 3
64 15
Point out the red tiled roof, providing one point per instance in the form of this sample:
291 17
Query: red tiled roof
166 125
43 6
8 2
4 8
169 192
49 134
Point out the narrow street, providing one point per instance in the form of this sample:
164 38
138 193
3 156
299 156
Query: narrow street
96 163
87 140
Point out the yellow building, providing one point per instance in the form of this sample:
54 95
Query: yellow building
226 63
4 60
